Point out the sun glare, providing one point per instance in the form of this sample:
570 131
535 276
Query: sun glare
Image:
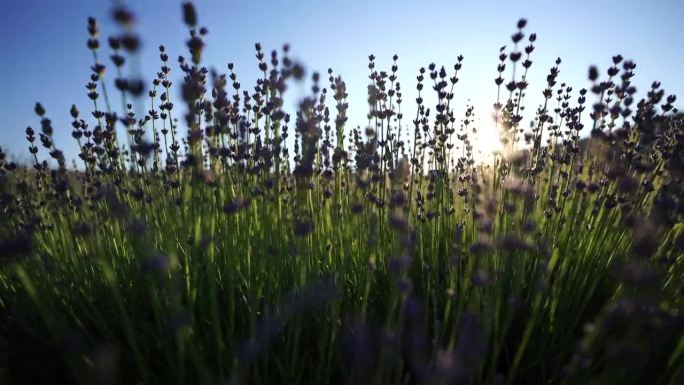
486 140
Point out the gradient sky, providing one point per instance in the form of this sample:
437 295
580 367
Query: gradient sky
44 56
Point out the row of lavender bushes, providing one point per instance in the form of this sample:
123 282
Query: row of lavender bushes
231 242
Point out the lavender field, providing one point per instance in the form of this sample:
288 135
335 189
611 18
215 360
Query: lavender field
208 231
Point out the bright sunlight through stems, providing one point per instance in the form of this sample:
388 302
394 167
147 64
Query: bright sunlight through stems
487 139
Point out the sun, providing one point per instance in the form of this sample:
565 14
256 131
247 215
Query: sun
486 140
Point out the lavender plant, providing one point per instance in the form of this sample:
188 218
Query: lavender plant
236 242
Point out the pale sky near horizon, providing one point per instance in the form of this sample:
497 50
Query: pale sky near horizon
44 57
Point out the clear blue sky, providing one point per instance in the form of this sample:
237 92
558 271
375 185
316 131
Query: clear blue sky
44 57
